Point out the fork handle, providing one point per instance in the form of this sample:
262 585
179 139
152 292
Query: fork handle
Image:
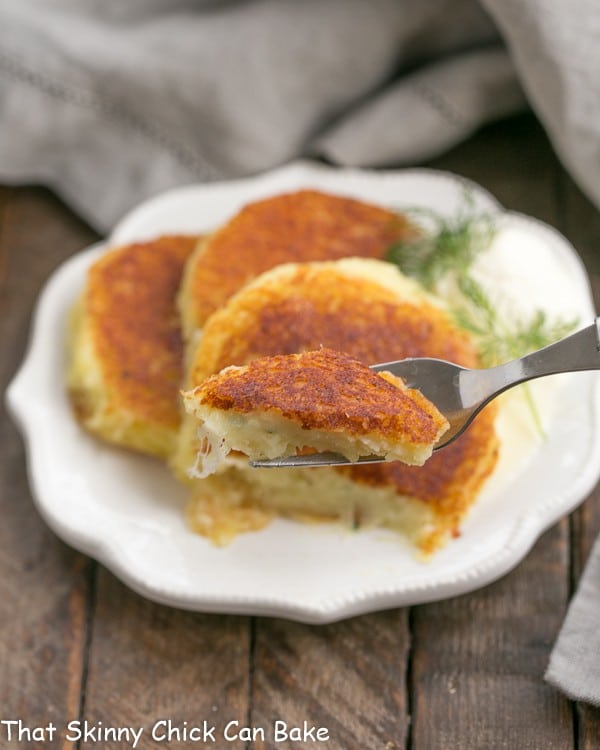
577 352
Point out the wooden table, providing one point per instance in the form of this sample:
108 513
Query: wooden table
75 643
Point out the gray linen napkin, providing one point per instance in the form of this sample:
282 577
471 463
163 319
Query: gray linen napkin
575 661
555 46
112 102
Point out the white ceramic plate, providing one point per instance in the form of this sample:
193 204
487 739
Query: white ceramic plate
126 511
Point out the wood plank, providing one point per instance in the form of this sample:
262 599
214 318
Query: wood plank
586 521
149 663
478 661
349 677
512 159
44 586
581 224
585 530
146 662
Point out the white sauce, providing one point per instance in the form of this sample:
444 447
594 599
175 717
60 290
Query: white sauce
521 276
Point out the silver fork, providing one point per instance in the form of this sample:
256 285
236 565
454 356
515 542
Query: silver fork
460 393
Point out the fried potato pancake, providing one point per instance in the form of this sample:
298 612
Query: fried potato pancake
323 399
370 311
126 350
307 225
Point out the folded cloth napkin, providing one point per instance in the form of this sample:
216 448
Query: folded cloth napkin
112 102
575 660
554 46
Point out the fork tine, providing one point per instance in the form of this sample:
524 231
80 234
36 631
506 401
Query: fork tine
309 460
312 459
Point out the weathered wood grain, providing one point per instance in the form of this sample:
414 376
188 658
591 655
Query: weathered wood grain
586 520
149 663
581 224
349 677
43 585
515 162
586 528
479 660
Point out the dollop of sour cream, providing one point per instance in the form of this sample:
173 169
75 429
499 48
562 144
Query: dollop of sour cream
526 269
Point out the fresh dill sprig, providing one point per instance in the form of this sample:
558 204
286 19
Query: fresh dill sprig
451 245
499 340
448 250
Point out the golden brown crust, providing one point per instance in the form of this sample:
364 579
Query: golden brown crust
325 390
131 318
318 305
297 227
451 478
310 305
